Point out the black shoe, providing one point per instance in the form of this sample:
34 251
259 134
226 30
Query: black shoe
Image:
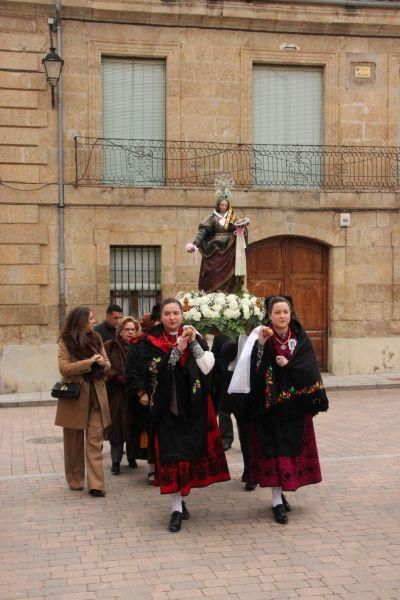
175 522
150 478
250 487
97 493
115 468
286 504
132 464
280 514
227 445
185 512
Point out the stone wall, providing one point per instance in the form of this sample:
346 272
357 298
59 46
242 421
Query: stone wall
209 80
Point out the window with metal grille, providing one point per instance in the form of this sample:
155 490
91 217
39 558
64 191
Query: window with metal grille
135 278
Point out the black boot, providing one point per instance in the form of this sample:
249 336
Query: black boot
175 522
280 514
250 487
286 504
185 512
115 468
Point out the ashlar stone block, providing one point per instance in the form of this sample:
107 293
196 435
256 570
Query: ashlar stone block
23 233
20 117
9 334
375 293
24 315
20 61
24 136
369 237
368 256
23 294
20 99
11 254
24 155
24 275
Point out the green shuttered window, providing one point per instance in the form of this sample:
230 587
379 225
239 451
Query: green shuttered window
287 110
133 121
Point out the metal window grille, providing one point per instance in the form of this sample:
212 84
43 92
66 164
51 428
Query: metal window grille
135 278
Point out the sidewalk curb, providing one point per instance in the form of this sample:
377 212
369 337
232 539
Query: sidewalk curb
26 403
15 401
360 386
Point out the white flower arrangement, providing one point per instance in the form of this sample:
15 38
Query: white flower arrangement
228 314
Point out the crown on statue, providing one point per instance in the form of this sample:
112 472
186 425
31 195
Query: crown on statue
224 185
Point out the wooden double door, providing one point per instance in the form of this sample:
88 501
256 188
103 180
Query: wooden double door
297 267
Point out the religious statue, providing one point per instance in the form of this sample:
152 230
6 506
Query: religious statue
221 240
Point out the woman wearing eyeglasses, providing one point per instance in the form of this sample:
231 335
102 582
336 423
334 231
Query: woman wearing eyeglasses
122 428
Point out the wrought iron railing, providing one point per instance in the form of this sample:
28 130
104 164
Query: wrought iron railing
117 162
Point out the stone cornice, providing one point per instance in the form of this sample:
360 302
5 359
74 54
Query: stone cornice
301 17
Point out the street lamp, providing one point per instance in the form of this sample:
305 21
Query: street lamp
52 65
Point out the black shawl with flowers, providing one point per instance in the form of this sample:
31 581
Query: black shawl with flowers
180 436
282 396
298 384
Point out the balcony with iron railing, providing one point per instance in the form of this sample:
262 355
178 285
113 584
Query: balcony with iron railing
148 163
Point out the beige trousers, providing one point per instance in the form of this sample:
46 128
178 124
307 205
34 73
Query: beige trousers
85 444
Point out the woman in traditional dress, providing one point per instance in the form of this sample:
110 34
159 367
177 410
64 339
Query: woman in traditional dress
287 391
221 239
168 370
82 359
122 429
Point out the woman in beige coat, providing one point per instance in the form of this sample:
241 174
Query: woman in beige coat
82 359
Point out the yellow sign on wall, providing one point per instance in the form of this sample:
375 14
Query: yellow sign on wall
363 71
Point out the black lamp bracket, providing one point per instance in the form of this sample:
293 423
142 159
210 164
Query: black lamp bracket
53 24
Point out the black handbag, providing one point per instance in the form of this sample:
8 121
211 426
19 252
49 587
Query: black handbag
69 391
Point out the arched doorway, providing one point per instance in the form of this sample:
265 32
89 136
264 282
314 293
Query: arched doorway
297 267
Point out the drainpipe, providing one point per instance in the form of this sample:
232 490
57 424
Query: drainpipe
60 154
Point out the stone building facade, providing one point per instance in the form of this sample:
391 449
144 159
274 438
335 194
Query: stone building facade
209 50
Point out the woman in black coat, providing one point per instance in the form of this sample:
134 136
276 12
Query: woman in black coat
287 391
168 371
123 422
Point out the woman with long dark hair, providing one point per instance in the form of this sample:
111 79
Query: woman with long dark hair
167 371
82 359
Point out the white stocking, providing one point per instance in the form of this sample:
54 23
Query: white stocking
176 502
276 496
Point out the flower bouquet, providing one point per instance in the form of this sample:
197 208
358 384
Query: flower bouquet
220 313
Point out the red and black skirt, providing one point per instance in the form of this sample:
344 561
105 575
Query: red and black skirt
184 475
289 472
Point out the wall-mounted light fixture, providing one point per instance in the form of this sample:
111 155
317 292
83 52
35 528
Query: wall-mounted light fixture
52 63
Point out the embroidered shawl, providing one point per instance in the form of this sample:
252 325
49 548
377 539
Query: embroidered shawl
298 384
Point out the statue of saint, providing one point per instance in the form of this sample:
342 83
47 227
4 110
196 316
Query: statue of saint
221 240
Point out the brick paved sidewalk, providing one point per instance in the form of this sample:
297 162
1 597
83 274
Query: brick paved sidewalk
342 541
332 383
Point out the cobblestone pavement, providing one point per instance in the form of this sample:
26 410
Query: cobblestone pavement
342 541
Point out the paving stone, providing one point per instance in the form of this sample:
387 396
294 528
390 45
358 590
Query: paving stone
342 540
